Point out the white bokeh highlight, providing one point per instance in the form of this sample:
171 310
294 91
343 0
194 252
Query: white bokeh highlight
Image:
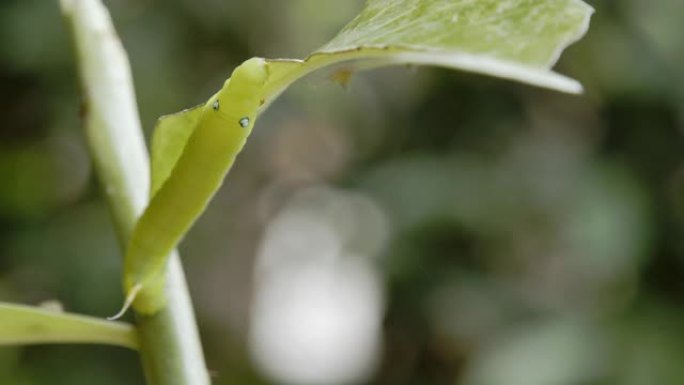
318 302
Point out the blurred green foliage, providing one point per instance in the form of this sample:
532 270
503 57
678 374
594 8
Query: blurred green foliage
536 237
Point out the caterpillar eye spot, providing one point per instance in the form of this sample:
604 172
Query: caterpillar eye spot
244 122
215 106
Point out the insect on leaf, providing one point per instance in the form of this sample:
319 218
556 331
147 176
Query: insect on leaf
194 150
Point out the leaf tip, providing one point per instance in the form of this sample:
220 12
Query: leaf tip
130 297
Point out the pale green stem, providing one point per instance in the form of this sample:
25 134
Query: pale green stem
169 341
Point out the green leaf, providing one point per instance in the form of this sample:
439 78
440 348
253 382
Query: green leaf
23 325
515 39
170 135
529 32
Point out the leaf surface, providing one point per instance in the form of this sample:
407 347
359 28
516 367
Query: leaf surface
514 39
23 325
170 135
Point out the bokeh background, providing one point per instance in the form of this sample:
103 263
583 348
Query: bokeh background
423 226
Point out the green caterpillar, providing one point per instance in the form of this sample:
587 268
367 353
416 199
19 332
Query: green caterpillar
185 176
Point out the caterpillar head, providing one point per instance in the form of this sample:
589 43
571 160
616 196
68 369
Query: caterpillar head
241 95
